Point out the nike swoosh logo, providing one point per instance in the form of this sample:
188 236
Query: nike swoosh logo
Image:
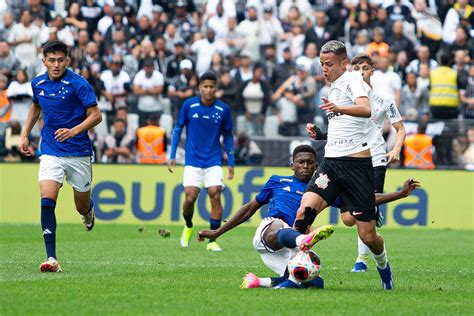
357 213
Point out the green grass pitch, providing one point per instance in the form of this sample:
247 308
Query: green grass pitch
115 269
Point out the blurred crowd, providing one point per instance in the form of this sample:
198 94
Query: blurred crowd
144 57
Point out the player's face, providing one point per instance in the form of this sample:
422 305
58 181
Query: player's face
56 64
333 66
365 69
208 90
304 165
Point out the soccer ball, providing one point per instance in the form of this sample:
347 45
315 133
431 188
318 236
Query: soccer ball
304 266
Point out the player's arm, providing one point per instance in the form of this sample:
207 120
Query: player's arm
229 144
33 116
361 107
176 137
408 187
315 133
93 118
243 214
394 154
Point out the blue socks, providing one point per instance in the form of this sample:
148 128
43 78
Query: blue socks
48 225
215 224
287 237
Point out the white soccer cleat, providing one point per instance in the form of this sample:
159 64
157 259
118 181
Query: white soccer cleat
50 265
88 220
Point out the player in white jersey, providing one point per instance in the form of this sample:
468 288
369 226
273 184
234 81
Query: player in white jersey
383 107
346 170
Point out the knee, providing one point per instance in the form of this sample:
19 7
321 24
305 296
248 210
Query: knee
348 219
214 195
191 198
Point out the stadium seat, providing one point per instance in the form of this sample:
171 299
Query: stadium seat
270 127
166 121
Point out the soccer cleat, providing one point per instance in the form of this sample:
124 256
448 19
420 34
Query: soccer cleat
318 283
288 284
378 218
316 236
50 265
386 277
186 236
359 267
251 281
213 246
88 220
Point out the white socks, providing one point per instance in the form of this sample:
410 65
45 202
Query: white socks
265 282
363 251
381 259
299 239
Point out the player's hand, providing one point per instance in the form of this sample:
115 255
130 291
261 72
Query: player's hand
409 186
171 165
231 173
23 146
329 106
206 233
393 156
63 134
311 131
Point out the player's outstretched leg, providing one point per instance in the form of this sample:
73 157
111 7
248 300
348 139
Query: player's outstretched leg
290 238
361 261
289 284
88 219
48 225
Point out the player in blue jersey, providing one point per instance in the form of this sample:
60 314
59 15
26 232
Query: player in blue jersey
69 108
206 119
275 241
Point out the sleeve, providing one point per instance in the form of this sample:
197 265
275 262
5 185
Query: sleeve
266 193
159 80
357 89
176 135
86 94
228 137
35 95
392 111
138 78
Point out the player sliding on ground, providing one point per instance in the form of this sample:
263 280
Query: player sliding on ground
274 240
69 107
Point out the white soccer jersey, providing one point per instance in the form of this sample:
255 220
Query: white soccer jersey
347 134
383 106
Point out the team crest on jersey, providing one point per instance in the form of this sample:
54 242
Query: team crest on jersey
322 181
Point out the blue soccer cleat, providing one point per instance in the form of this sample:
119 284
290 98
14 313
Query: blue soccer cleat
386 278
317 283
287 285
359 267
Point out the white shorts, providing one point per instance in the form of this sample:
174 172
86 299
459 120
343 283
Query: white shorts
195 177
78 171
275 260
